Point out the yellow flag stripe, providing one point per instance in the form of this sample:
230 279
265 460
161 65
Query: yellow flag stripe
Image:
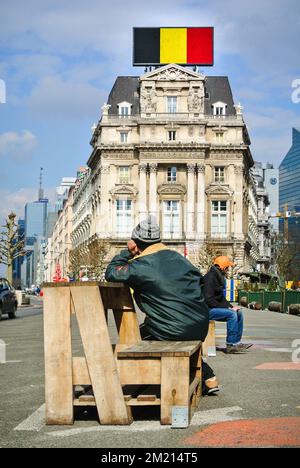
173 45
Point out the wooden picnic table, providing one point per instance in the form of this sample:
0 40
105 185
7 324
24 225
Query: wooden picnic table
173 367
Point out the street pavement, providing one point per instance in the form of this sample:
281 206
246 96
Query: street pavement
259 402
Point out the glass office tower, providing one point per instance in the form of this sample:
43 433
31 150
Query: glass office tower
289 190
35 219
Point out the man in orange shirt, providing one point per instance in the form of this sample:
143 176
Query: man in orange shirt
220 308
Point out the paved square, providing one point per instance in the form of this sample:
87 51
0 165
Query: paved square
259 400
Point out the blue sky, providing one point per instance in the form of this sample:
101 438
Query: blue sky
59 60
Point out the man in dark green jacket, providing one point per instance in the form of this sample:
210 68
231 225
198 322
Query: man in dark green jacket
167 288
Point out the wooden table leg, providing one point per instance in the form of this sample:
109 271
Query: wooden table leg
196 369
58 356
175 380
99 356
209 345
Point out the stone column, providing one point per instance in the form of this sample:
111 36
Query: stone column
201 202
153 190
190 220
238 198
104 218
142 209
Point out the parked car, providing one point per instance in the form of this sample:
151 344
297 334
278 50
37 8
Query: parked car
8 299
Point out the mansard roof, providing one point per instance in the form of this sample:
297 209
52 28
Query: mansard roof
218 88
126 88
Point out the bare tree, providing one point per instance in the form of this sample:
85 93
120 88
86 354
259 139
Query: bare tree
97 251
78 260
205 256
89 257
286 258
11 247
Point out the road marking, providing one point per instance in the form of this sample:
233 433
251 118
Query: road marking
9 362
216 415
199 419
35 422
279 366
280 350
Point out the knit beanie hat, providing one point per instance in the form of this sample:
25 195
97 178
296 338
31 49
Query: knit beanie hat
147 231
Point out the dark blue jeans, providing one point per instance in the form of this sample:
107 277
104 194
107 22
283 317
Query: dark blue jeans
235 323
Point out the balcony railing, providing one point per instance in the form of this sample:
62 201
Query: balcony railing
172 116
220 237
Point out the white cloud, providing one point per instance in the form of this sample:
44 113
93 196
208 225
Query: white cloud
272 118
54 97
271 149
17 146
73 50
271 132
34 66
249 94
16 200
264 32
78 26
90 42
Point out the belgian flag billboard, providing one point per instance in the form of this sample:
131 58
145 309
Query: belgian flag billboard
184 46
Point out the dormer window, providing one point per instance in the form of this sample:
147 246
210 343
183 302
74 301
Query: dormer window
219 108
124 109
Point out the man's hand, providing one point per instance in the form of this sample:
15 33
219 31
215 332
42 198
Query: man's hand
236 308
133 248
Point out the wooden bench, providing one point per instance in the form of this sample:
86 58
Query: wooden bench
174 367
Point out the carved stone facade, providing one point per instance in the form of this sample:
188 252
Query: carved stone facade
59 244
175 157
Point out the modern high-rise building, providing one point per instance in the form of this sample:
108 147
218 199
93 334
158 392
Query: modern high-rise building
17 263
35 219
35 227
51 220
62 191
289 186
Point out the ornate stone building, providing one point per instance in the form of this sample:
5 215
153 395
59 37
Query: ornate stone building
264 233
171 143
58 246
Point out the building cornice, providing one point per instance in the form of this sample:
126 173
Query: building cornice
172 72
219 190
171 188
